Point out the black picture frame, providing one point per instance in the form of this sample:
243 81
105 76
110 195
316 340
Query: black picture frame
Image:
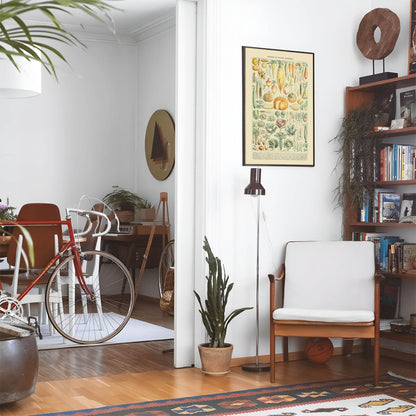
278 107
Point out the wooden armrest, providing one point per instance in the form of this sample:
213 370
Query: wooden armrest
273 278
378 275
280 275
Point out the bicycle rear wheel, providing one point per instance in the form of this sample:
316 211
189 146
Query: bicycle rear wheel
166 262
84 319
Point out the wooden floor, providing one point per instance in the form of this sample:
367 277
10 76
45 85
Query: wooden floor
88 377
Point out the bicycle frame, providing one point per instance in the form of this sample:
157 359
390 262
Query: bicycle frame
70 245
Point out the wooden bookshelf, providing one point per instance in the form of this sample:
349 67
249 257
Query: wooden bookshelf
361 97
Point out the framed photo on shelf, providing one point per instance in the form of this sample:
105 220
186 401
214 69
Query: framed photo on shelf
406 105
278 107
408 208
412 38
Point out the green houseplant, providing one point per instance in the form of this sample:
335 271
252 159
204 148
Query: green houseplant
125 203
216 355
37 41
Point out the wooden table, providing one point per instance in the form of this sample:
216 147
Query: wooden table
131 248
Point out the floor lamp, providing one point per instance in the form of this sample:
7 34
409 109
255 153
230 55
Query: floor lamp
256 189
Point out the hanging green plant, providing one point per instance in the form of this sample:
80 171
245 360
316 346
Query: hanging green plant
357 155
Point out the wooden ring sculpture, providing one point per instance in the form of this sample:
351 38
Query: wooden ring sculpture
389 25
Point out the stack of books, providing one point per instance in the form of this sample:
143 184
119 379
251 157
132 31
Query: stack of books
397 162
389 206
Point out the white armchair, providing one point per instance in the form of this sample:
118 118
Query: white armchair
330 289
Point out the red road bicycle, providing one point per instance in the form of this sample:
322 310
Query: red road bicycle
89 295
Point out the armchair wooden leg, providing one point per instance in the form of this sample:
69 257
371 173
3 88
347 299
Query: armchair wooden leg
272 356
347 344
376 359
285 349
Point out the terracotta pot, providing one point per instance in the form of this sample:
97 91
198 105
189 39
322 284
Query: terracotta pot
215 361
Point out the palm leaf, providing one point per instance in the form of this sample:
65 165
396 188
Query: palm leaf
28 40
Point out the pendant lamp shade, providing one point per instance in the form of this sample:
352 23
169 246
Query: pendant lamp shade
22 83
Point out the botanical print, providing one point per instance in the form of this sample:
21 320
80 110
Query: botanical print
278 107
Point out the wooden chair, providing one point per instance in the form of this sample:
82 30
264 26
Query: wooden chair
330 289
46 241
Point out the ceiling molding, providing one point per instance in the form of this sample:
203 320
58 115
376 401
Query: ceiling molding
106 33
159 25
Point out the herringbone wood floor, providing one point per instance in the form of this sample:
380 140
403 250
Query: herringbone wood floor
79 378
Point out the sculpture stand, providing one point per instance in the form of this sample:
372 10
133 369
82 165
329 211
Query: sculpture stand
381 76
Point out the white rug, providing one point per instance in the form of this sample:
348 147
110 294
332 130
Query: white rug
134 331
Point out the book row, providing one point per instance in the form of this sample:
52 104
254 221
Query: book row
389 206
397 162
392 253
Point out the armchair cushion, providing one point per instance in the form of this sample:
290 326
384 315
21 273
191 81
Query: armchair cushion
323 315
338 273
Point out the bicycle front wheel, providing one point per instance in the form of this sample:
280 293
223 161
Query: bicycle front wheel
98 312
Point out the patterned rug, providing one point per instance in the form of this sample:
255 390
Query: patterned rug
349 397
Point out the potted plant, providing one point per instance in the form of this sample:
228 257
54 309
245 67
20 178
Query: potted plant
145 211
216 354
123 202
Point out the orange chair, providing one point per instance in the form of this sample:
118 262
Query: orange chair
330 290
46 241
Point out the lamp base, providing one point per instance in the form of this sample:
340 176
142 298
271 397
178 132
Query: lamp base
253 367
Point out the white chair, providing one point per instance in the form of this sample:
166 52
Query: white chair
330 289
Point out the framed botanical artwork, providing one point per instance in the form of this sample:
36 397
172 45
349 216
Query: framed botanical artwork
412 38
278 107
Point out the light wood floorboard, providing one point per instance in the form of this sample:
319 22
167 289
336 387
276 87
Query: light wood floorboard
89 377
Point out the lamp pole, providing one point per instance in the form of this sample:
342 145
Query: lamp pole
256 189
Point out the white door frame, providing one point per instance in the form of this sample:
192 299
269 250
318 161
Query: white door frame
185 181
196 121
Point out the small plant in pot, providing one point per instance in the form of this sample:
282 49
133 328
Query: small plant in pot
216 355
145 211
123 202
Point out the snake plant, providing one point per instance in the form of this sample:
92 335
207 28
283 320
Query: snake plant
34 41
218 289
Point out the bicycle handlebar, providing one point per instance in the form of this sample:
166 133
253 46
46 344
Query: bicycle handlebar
87 214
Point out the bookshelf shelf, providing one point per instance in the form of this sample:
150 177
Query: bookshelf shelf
408 131
383 224
410 275
393 83
361 97
395 183
408 338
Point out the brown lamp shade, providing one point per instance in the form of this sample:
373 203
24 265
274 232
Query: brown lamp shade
255 187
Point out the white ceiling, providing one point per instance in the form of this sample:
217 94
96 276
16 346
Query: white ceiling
132 17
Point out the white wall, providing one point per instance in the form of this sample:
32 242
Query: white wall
156 91
78 136
97 114
299 200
